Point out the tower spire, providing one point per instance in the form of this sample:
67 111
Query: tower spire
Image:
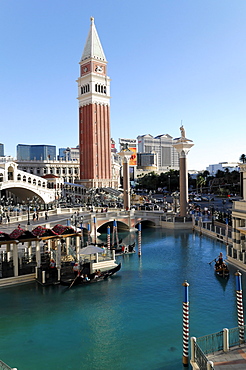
93 47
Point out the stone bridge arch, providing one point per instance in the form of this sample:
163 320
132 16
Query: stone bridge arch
23 184
23 192
121 226
145 224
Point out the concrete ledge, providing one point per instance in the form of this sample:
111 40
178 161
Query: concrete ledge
17 280
177 225
240 265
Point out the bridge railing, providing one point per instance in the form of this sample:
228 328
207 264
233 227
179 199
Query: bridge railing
4 366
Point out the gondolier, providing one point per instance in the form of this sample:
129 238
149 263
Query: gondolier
76 269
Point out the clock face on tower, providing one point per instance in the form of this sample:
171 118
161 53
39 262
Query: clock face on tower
85 69
99 69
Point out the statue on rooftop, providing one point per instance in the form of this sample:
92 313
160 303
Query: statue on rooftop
182 131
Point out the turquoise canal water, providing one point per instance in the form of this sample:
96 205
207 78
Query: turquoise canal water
132 321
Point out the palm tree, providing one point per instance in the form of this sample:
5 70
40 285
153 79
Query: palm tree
201 181
242 158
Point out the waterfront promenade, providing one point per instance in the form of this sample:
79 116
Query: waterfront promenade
235 359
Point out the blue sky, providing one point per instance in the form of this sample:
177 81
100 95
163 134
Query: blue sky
169 60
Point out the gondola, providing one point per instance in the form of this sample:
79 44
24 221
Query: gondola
123 249
93 278
222 270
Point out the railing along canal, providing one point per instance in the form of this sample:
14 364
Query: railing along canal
4 366
209 344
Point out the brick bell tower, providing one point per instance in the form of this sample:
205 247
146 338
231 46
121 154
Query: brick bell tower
94 115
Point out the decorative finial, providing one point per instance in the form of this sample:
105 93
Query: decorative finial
92 19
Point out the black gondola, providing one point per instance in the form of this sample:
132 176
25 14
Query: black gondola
123 249
222 270
92 278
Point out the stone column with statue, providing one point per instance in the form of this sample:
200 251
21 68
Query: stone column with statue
183 146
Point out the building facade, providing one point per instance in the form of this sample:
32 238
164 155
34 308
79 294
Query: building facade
35 152
94 115
1 150
237 253
162 145
222 166
67 170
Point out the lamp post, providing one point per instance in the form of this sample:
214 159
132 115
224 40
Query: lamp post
28 211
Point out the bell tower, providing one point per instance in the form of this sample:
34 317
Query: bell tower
94 114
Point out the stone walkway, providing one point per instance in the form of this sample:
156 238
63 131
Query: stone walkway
235 359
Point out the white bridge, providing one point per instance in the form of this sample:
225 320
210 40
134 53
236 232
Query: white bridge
24 185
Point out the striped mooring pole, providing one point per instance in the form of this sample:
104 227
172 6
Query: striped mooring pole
82 235
95 229
115 233
89 233
108 237
186 325
240 318
139 239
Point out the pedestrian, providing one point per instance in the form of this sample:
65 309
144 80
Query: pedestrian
8 219
46 216
19 226
37 215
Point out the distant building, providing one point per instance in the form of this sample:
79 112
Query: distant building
1 150
131 144
214 168
162 145
62 154
35 152
69 154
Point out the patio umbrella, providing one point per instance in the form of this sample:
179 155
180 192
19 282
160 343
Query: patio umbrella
90 249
